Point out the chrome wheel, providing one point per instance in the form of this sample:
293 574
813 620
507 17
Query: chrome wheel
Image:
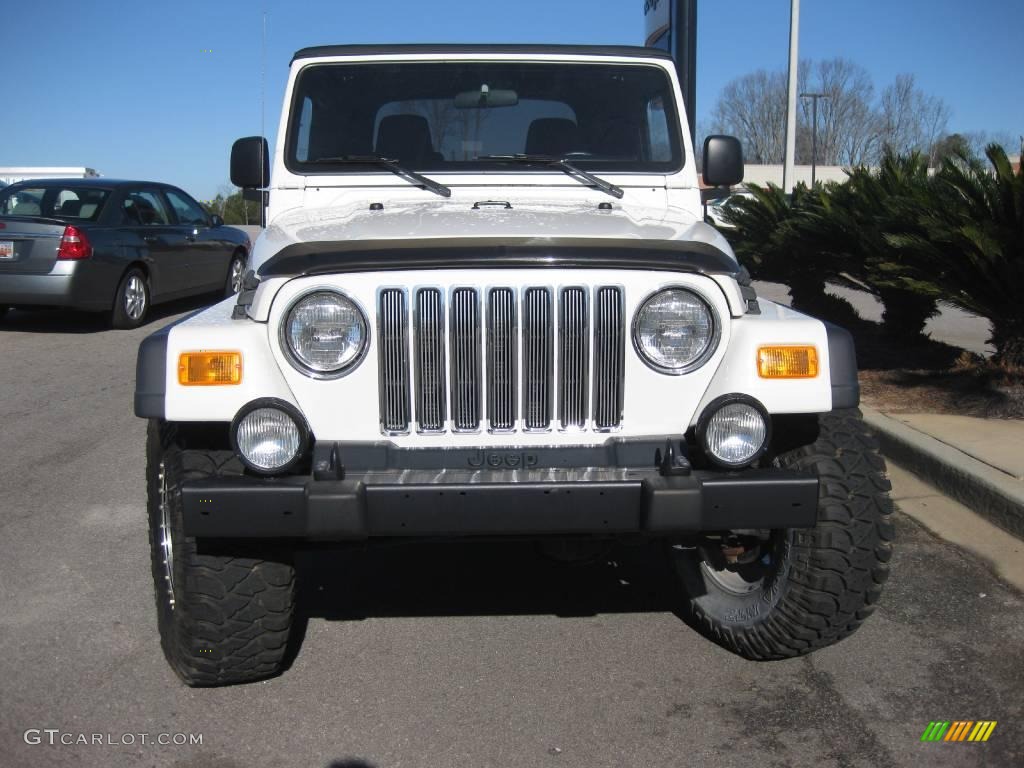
166 543
237 270
744 566
135 297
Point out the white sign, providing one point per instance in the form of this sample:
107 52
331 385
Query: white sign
656 18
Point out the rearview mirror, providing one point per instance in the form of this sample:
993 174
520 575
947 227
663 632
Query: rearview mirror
216 221
250 163
723 161
486 97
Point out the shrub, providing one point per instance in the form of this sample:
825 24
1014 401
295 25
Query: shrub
865 213
972 235
777 240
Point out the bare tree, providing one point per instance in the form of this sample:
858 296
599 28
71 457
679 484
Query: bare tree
853 126
978 140
911 119
848 128
753 108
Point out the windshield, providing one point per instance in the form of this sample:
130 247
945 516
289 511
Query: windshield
447 116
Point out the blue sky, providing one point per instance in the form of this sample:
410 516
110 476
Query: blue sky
130 89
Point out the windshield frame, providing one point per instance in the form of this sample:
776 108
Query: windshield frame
308 168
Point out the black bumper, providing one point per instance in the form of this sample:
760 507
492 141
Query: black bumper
452 503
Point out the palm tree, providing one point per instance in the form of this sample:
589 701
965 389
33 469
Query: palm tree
865 212
774 240
973 235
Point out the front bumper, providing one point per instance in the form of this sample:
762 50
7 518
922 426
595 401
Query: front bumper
522 502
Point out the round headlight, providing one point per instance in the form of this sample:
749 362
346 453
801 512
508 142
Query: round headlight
734 434
268 439
675 331
325 333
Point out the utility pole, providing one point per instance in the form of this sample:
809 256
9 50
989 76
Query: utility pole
263 128
794 61
814 129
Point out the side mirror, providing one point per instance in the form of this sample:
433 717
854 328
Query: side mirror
216 221
723 161
250 163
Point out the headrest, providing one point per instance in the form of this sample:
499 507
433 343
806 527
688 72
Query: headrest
405 138
552 136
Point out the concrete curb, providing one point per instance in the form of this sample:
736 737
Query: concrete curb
982 488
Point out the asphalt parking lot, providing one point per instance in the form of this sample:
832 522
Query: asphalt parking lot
443 655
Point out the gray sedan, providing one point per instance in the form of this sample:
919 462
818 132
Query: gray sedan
111 246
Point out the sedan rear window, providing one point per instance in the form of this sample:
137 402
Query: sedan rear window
76 203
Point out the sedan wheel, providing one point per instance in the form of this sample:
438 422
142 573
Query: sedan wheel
131 304
235 274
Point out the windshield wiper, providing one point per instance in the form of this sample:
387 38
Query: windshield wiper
392 165
562 164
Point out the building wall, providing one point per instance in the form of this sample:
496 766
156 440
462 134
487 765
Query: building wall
11 174
772 174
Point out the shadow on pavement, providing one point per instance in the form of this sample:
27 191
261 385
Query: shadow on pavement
479 579
69 321
476 579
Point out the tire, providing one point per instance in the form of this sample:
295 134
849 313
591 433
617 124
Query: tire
804 589
3 311
224 617
236 271
131 302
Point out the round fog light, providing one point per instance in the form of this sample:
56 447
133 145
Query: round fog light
735 433
268 439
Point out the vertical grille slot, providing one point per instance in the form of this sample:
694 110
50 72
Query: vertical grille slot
538 358
431 393
573 357
465 359
501 359
393 322
609 356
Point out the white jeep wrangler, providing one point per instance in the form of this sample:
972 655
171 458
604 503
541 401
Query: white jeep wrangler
486 304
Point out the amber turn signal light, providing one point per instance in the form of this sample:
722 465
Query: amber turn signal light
785 362
209 369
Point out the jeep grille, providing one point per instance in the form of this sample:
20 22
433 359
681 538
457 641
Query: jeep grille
468 371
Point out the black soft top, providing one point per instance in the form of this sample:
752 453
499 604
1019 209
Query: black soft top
579 50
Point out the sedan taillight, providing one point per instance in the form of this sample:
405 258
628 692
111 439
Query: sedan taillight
74 245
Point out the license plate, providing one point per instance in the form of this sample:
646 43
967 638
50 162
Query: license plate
6 249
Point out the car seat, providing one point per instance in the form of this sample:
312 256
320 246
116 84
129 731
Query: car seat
406 138
555 136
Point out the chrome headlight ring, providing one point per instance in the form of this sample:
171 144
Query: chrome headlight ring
706 353
303 365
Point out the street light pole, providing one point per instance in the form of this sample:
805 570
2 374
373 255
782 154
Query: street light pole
814 130
789 160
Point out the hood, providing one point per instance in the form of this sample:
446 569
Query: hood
442 219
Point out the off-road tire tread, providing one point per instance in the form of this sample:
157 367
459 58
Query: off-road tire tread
836 569
231 620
